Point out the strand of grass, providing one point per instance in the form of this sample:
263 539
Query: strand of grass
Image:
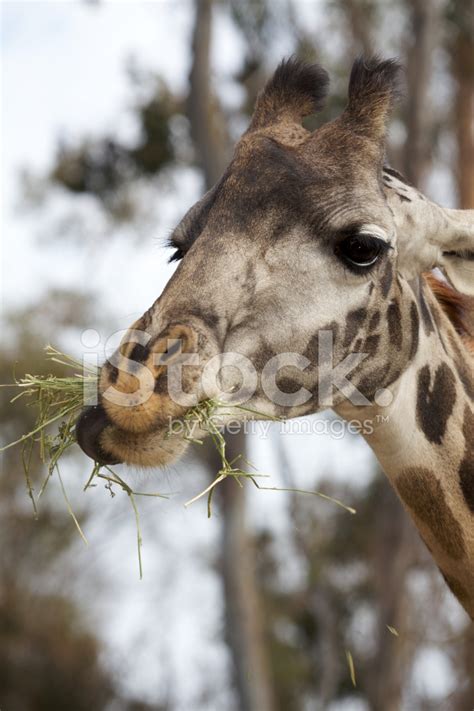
52 382
306 491
350 663
192 440
129 490
38 429
203 416
56 356
226 470
209 502
71 362
273 418
152 494
26 461
95 471
56 449
221 475
116 479
31 384
45 483
212 485
139 535
69 507
120 482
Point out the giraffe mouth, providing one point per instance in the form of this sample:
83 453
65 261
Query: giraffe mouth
137 402
91 424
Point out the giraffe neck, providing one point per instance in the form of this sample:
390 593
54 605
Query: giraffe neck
425 443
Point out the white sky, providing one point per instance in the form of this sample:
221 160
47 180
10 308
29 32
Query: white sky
63 75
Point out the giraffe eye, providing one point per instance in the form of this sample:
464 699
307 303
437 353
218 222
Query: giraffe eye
360 252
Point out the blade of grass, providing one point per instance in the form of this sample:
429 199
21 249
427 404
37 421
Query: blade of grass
313 493
69 508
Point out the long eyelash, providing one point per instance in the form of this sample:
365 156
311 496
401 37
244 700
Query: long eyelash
371 239
170 243
177 255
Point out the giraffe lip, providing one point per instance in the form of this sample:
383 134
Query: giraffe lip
91 423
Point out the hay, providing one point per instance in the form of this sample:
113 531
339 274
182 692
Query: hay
350 664
204 416
58 402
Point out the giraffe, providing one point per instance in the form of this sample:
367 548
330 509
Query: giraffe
311 261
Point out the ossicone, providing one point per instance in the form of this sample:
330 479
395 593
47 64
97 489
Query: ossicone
295 90
374 86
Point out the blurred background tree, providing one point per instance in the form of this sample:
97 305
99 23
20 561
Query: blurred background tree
364 584
50 658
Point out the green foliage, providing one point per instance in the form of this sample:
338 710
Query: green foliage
103 167
50 659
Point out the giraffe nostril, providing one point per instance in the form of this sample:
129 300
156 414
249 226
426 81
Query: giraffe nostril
139 353
90 425
175 347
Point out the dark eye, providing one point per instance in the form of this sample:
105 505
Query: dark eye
360 252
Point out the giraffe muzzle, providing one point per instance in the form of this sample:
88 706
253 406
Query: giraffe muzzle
142 387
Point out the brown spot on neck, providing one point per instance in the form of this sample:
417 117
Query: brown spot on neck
422 493
466 468
463 364
435 401
415 325
426 316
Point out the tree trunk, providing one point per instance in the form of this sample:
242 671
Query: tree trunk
243 619
416 153
359 22
462 52
394 553
208 128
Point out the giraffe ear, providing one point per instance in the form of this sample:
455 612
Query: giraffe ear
429 235
373 89
456 242
295 90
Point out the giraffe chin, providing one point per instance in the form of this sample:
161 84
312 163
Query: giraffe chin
153 449
107 444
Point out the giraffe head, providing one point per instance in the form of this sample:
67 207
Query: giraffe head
292 292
